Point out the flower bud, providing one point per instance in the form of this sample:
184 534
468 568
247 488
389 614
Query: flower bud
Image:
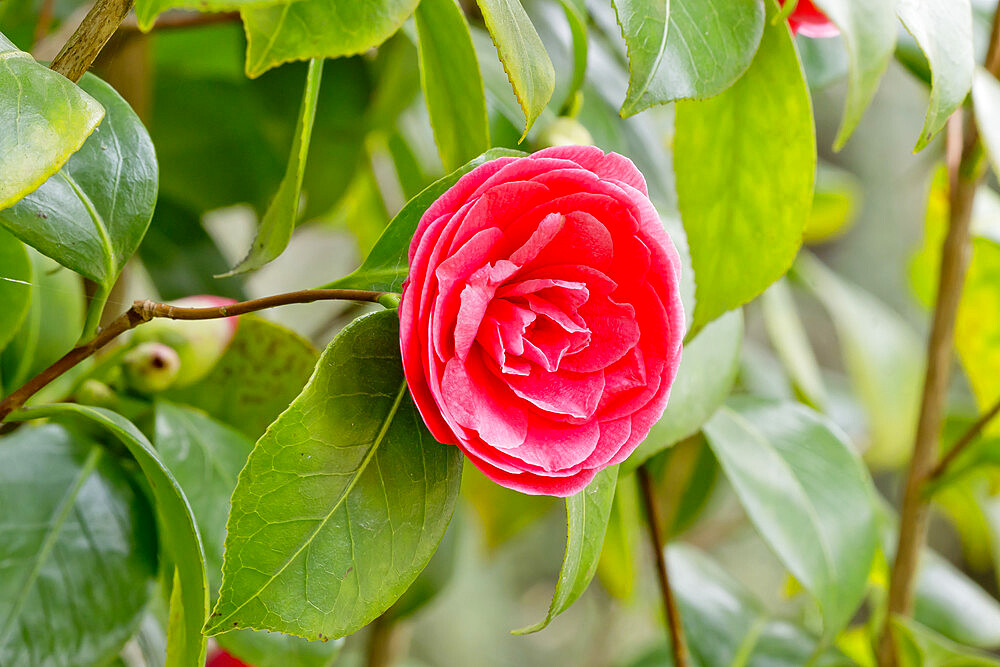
565 132
94 392
151 367
199 343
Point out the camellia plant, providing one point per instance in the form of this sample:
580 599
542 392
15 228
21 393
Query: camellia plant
579 231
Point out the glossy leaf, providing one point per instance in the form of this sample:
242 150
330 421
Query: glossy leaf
616 568
303 29
278 223
452 84
16 286
952 604
726 625
708 369
587 516
206 457
884 358
986 102
576 17
386 267
146 11
918 646
92 214
869 33
260 373
790 341
77 553
808 495
44 118
178 530
348 474
944 34
744 202
523 55
51 326
686 49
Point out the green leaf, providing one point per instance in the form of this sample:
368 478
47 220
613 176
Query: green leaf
261 372
343 501
918 646
502 513
278 223
181 257
523 56
146 11
44 118
807 493
744 202
884 358
303 29
206 457
686 49
951 603
726 625
790 341
708 369
453 86
52 325
616 568
869 33
386 268
92 214
16 286
178 531
77 552
986 102
836 202
684 478
576 17
587 515
944 34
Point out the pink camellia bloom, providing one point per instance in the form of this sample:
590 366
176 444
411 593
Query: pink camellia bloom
809 21
541 323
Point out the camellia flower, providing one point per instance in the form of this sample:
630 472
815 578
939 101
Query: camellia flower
809 21
541 323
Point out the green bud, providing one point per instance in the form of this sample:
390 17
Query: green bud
564 132
151 367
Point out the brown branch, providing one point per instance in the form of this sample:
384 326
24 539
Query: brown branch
144 311
965 174
675 630
86 43
971 434
44 21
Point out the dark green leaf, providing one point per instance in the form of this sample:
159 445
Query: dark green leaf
178 531
182 258
16 286
279 220
807 493
884 358
708 369
944 33
303 29
587 516
386 268
206 458
92 214
918 646
686 49
52 325
343 501
453 86
616 568
523 56
44 118
263 369
744 202
77 550
869 33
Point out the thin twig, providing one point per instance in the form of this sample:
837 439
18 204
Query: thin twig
84 45
144 311
971 434
678 645
44 21
963 158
